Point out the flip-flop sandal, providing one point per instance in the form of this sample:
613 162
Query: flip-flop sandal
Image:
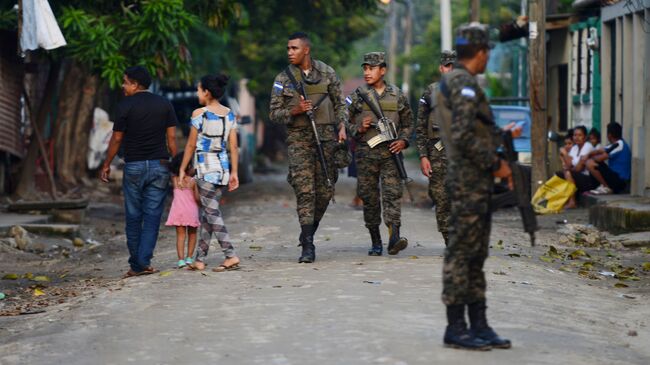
222 268
148 271
130 274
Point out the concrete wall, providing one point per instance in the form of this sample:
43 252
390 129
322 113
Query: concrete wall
628 24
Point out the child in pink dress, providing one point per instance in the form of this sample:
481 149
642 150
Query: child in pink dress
184 213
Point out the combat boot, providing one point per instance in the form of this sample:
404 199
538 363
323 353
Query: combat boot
457 335
308 254
300 238
377 248
481 329
395 242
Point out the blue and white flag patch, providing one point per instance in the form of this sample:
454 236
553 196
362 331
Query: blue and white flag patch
468 92
348 100
277 87
423 100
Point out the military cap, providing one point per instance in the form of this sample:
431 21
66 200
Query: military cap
473 34
447 57
342 155
374 59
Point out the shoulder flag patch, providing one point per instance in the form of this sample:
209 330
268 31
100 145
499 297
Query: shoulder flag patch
348 100
278 86
468 91
423 100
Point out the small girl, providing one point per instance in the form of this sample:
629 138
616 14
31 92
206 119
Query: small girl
213 144
184 213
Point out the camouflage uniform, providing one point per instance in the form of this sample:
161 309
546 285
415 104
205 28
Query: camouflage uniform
376 169
471 146
427 136
305 173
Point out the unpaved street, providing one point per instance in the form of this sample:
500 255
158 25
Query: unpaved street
347 308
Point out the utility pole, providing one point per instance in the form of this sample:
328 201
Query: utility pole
476 9
408 40
392 45
445 24
537 87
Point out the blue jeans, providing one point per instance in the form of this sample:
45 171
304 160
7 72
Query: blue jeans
145 186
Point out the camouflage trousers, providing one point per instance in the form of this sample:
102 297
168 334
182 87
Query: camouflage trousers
437 191
308 180
213 227
378 185
469 235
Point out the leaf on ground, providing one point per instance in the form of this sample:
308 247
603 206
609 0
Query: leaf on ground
499 273
646 266
499 245
565 268
620 285
514 255
588 265
646 250
576 254
255 248
10 277
38 292
583 273
41 278
165 273
553 253
546 259
413 257
327 238
28 276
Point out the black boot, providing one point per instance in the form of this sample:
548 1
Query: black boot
308 254
316 223
457 335
377 246
395 242
445 236
481 329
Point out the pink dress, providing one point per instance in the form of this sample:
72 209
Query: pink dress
184 210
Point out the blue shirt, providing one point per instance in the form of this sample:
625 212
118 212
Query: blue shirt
211 156
620 160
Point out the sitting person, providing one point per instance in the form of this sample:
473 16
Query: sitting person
573 164
612 178
568 142
594 138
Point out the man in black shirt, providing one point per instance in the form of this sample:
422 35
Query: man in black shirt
146 123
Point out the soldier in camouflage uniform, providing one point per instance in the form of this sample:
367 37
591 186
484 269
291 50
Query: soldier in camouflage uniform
377 174
323 89
471 139
433 161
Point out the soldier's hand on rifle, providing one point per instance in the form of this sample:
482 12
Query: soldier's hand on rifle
365 124
397 146
303 107
504 172
425 166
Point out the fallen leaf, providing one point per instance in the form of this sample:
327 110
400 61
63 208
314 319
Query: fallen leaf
565 268
588 265
38 292
621 285
553 253
255 248
514 255
10 277
576 254
28 276
499 273
414 257
41 278
646 266
546 259
499 245
646 250
165 273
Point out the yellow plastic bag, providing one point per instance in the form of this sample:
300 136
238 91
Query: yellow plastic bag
551 197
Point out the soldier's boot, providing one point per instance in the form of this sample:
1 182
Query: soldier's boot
377 248
316 223
481 329
457 335
308 254
395 242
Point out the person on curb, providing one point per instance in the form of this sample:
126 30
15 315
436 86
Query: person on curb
378 181
146 125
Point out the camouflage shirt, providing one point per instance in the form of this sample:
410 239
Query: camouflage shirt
405 123
422 122
284 96
467 137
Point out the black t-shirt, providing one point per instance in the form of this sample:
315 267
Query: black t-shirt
144 119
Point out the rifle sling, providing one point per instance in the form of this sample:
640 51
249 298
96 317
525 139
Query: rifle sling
301 89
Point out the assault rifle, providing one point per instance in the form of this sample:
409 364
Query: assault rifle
520 195
387 133
310 114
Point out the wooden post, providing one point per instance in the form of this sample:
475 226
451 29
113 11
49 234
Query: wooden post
476 10
537 87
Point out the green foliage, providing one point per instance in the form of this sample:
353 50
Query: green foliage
8 16
149 33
